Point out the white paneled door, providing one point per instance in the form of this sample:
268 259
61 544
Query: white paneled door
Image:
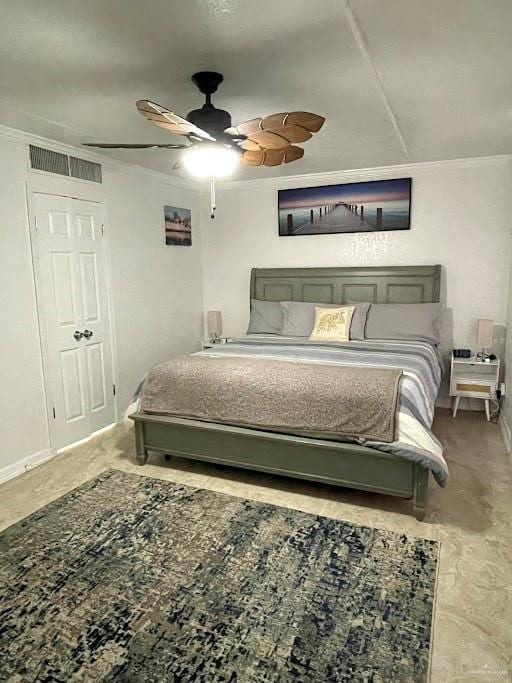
72 298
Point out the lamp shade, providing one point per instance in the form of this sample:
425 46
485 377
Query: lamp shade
214 319
211 160
485 333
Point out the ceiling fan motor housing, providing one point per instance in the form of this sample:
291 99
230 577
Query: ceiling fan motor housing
207 81
209 117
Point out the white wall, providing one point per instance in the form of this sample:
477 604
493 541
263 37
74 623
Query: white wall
23 426
461 218
157 290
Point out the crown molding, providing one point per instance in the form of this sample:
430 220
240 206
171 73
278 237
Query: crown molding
376 172
16 135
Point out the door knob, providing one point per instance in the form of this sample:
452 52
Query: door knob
77 335
87 334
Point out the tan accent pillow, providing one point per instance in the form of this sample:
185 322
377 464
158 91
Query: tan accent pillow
332 324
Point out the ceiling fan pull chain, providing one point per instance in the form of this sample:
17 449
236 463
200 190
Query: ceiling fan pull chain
212 197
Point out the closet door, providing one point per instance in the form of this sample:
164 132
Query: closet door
73 311
96 342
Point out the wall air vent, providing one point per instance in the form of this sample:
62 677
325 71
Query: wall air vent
46 160
54 162
86 170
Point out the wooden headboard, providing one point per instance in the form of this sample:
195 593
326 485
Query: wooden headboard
380 285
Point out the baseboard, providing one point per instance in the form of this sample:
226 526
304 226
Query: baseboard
25 464
31 461
505 430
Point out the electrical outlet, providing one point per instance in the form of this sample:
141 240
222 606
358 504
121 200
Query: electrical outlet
502 389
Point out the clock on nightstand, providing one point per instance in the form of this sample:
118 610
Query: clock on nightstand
474 378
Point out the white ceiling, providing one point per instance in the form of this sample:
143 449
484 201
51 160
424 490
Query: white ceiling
397 80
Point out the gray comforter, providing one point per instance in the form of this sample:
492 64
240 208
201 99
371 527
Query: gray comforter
294 397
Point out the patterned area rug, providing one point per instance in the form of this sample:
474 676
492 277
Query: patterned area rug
129 578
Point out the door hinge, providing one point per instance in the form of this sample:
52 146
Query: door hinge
102 229
53 408
35 222
114 389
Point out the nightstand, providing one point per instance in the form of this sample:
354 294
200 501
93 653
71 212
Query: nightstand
208 344
471 378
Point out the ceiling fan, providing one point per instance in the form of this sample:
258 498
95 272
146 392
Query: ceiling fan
214 147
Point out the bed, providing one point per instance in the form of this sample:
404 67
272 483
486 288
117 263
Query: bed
366 467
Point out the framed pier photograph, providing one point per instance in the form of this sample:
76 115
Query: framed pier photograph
369 206
178 226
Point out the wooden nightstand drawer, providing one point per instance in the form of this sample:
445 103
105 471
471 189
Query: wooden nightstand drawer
471 388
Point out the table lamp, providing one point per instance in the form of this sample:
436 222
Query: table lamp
484 338
214 319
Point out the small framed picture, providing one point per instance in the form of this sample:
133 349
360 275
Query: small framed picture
178 226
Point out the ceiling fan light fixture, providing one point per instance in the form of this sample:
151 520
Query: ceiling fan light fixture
211 161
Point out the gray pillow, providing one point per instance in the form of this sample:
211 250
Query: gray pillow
358 322
404 321
299 318
266 317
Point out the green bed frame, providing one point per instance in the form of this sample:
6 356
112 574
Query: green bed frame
328 462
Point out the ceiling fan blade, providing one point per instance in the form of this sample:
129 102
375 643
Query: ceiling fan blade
295 126
249 127
274 157
291 133
271 157
292 154
309 121
268 140
114 145
250 158
165 118
274 120
250 145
